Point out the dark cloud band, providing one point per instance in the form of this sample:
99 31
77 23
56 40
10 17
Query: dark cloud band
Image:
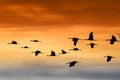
60 12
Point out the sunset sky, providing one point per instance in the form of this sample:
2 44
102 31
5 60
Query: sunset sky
53 22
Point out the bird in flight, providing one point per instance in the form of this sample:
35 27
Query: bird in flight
112 40
72 63
109 58
75 40
25 47
75 49
92 45
35 41
13 42
52 53
64 52
91 37
37 52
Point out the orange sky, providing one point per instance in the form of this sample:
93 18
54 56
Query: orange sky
51 13
53 22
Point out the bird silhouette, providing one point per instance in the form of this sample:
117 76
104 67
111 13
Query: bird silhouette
72 64
25 47
92 45
112 40
37 52
109 58
75 49
52 53
63 52
91 38
35 41
75 40
13 42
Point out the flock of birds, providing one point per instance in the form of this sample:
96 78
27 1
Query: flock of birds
75 41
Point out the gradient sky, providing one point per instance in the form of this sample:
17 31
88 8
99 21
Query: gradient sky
53 22
60 12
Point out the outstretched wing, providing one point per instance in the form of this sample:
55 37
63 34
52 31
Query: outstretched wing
92 46
63 51
53 53
112 41
75 40
91 36
36 54
109 59
72 64
113 38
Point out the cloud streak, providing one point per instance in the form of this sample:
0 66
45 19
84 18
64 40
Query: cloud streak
61 12
43 71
